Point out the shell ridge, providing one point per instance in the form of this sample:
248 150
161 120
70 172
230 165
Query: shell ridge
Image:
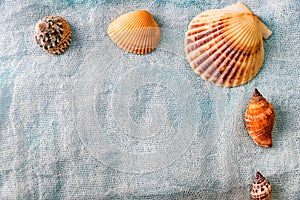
200 35
260 59
126 40
231 69
210 51
193 46
218 33
244 27
254 66
238 76
225 75
114 30
140 44
223 61
215 24
196 23
247 74
146 43
218 59
250 70
227 78
132 32
117 25
144 33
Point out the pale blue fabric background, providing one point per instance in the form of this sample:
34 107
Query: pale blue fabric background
100 123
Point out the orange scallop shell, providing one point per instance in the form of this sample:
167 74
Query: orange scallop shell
259 119
136 32
261 188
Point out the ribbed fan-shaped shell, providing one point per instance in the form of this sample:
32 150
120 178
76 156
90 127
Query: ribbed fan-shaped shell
261 188
136 32
225 46
259 119
53 34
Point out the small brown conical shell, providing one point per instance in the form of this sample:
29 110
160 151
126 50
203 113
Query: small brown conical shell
225 46
136 32
261 188
259 119
53 34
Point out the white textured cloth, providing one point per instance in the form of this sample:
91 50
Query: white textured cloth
99 123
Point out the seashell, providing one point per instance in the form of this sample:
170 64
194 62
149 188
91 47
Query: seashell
225 46
259 119
136 32
261 188
53 34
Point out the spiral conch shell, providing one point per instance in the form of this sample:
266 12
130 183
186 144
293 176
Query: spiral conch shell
225 46
261 188
259 119
135 32
53 34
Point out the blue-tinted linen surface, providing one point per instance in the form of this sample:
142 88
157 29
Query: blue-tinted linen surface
99 123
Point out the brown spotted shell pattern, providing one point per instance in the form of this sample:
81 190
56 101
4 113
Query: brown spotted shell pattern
261 188
259 119
136 32
53 34
225 46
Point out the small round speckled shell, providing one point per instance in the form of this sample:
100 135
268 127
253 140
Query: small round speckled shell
261 188
53 34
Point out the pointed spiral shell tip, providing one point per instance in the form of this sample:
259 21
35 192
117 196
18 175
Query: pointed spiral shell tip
257 96
256 92
258 175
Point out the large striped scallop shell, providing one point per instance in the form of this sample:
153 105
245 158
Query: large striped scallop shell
261 188
225 46
259 119
53 34
136 32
